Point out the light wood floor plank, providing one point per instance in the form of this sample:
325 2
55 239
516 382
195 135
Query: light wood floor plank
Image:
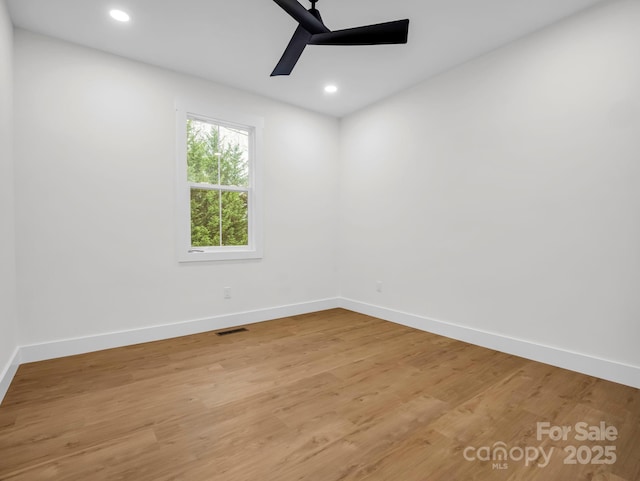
328 396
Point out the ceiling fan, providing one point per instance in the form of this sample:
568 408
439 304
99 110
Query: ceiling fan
312 31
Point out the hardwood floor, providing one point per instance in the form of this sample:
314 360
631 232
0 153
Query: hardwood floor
328 396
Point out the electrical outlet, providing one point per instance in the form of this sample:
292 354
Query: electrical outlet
379 286
227 293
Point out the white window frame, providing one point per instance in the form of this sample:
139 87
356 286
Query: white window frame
254 125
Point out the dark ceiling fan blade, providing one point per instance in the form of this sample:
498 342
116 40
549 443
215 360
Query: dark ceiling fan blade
293 51
302 16
381 33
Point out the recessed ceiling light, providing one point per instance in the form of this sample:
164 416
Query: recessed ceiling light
331 89
119 15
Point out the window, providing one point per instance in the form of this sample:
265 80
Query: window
218 186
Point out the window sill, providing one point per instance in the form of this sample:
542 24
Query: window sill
221 254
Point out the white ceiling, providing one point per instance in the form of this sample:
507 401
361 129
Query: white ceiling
238 42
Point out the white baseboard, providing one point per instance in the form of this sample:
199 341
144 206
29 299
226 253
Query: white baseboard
602 368
7 373
573 361
81 345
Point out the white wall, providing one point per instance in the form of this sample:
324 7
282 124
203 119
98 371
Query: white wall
504 196
94 145
7 231
501 196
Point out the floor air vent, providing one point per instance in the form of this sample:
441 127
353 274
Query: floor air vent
231 331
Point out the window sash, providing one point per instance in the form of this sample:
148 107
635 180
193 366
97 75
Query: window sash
223 188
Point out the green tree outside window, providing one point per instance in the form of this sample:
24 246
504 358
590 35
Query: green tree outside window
218 173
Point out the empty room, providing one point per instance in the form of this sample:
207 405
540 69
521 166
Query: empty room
356 240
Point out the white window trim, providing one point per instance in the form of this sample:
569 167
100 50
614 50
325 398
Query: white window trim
204 111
